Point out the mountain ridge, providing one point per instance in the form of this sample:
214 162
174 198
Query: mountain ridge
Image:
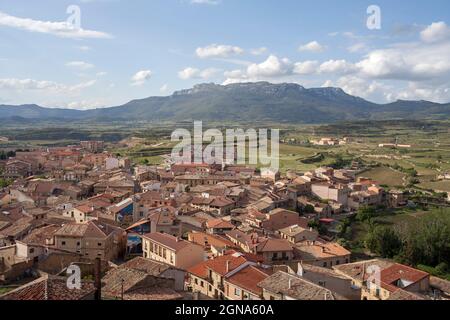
257 101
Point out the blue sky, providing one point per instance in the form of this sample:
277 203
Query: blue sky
139 48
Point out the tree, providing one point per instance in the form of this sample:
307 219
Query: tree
383 241
411 172
4 183
340 162
308 209
427 241
442 268
318 226
365 213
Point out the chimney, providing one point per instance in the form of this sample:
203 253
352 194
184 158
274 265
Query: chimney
300 271
98 282
228 266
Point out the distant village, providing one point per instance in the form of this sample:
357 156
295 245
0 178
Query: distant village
188 231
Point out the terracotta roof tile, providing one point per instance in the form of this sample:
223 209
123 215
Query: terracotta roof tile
219 224
49 288
248 279
167 240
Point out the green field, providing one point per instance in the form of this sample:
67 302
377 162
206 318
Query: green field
385 176
443 186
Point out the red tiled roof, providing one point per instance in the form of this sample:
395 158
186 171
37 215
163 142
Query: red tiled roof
273 245
202 239
200 270
49 288
219 224
391 275
248 279
89 229
167 240
232 259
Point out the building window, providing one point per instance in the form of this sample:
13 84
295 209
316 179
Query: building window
32 250
325 265
99 244
237 292
63 243
195 281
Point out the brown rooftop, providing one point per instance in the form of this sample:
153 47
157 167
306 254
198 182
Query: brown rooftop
167 241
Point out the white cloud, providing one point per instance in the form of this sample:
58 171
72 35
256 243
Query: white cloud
272 67
423 91
42 85
435 32
364 88
210 2
337 67
60 29
101 74
141 77
306 67
164 88
81 65
312 46
86 104
188 73
82 85
408 62
389 91
194 73
357 47
235 76
218 51
258 51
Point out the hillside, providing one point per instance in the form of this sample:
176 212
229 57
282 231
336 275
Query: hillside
260 101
